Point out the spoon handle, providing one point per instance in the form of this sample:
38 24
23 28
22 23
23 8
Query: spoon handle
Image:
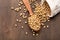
27 4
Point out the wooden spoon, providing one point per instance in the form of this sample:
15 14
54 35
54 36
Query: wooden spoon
33 20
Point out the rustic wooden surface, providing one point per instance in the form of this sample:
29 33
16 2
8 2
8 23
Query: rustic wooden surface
9 32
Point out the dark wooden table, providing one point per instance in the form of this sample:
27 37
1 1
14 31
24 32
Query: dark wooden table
9 32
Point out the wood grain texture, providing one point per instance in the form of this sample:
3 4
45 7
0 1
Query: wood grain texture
9 32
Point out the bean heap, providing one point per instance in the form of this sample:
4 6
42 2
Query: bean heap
40 16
